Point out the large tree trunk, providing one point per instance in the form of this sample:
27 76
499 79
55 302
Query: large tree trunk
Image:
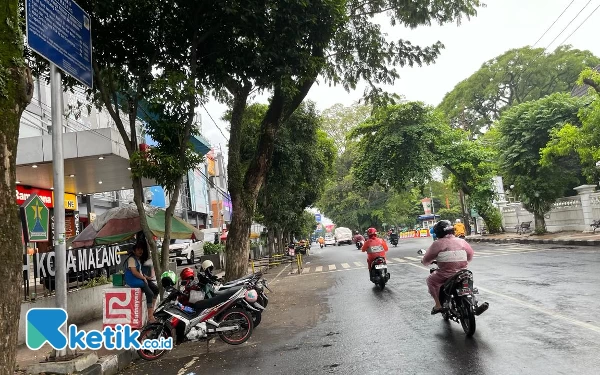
271 241
238 244
540 222
15 94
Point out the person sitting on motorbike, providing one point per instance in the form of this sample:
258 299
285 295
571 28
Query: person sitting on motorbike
459 229
374 247
452 255
358 237
321 241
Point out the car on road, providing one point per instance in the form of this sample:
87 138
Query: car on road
329 239
185 250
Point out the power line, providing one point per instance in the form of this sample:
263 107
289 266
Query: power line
213 120
569 24
581 24
548 29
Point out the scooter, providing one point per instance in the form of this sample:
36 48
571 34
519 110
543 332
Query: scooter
379 273
459 300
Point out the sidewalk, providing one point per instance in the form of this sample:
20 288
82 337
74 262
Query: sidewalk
560 238
109 361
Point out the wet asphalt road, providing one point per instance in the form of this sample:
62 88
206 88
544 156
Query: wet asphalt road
543 319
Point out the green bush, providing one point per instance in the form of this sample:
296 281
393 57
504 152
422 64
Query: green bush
211 248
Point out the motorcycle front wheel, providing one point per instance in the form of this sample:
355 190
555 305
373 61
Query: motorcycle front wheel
240 318
467 319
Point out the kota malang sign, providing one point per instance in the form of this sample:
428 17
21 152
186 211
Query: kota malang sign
35 217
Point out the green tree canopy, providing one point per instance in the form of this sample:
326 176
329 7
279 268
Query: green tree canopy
516 76
525 130
339 119
401 144
583 141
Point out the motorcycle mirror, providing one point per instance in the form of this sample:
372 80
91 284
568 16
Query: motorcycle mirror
421 252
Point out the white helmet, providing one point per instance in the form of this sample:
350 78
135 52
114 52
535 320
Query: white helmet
457 220
206 264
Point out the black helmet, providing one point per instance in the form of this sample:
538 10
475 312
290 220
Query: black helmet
442 228
355 232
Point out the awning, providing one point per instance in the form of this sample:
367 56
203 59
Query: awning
95 161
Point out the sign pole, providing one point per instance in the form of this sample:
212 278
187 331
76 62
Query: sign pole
60 247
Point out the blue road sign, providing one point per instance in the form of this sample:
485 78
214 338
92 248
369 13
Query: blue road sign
318 218
60 31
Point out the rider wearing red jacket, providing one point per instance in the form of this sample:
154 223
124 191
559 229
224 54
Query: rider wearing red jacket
374 246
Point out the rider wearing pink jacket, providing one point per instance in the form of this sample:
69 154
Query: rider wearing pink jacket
452 254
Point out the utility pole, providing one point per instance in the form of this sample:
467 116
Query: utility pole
432 205
58 167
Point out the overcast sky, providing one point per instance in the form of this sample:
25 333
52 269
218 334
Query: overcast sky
502 25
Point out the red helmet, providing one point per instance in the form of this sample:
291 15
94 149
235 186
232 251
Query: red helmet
372 232
187 274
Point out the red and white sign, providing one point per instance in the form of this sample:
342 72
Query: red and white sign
122 306
45 195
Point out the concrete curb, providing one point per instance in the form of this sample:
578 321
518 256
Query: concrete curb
112 364
537 241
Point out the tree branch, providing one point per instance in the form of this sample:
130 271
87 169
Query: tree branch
115 116
592 84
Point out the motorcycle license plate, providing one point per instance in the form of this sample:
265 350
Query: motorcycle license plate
380 266
464 291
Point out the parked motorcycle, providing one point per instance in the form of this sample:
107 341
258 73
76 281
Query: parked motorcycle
459 300
202 320
210 286
255 281
379 273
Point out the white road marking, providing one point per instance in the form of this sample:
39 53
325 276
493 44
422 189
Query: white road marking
411 258
187 366
542 310
399 260
388 262
306 270
358 264
345 265
319 269
332 267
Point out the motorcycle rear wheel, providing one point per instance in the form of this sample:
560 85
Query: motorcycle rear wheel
467 319
256 318
236 316
152 332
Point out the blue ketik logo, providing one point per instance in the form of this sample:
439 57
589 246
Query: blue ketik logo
43 325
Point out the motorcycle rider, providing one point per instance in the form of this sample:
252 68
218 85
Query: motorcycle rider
358 237
374 247
452 254
459 229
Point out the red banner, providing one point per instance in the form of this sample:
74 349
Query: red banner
45 195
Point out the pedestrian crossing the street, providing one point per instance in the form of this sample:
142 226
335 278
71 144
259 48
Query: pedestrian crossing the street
490 251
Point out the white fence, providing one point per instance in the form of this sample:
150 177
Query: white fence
567 214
